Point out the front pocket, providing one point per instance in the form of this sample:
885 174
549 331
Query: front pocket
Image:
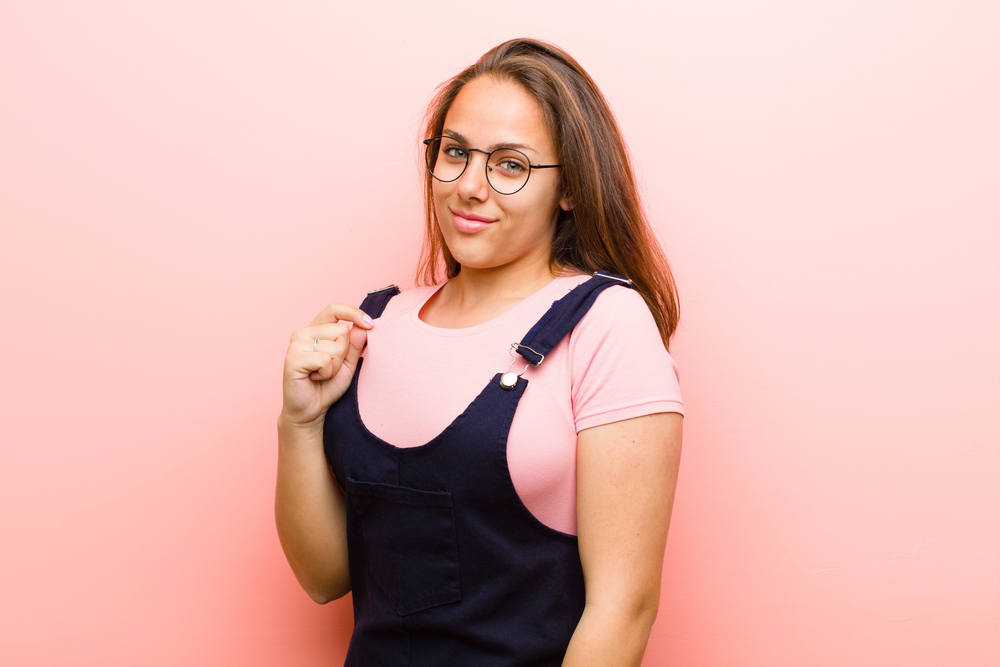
411 548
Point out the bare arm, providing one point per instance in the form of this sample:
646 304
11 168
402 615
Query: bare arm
309 512
309 506
626 475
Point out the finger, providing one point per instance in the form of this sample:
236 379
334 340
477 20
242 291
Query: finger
358 339
332 331
326 371
341 311
335 348
311 363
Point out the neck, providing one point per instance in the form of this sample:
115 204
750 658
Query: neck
475 296
482 286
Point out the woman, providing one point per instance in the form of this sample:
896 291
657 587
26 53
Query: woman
523 522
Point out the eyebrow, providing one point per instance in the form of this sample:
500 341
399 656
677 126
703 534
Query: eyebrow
489 149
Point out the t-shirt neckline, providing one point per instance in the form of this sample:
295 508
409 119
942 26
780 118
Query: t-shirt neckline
551 286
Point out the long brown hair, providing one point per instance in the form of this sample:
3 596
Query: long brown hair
607 227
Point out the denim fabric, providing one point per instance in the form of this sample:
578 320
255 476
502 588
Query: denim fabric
448 567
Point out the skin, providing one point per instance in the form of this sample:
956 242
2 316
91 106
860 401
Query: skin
309 505
509 259
626 471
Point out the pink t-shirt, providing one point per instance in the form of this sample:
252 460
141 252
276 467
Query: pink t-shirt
417 379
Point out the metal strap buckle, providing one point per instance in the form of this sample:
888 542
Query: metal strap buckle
509 379
627 281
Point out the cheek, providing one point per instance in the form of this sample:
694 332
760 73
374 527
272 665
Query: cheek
438 196
536 223
543 209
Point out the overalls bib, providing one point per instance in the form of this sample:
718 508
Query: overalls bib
448 567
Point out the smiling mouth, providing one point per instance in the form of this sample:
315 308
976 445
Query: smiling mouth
471 224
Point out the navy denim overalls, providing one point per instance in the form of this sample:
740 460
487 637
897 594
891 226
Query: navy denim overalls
448 567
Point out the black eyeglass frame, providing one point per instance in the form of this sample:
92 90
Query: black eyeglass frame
468 158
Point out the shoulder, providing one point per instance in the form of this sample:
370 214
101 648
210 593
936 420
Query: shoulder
620 367
619 317
624 301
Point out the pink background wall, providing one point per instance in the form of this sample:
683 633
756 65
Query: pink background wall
184 183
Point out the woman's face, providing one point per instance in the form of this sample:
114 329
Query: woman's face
482 228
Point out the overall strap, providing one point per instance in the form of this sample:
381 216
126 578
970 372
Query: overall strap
376 301
564 314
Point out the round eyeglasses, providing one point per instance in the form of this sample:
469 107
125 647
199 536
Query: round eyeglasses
507 169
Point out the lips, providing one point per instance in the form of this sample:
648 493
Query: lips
469 223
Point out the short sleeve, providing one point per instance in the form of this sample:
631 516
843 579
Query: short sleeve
620 369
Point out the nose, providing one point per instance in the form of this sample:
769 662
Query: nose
473 184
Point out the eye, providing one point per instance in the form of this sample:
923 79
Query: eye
454 151
510 165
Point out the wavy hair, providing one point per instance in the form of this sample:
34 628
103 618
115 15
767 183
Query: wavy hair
607 227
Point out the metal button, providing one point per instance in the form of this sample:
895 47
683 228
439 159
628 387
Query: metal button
508 380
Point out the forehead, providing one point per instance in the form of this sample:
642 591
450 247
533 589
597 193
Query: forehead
488 112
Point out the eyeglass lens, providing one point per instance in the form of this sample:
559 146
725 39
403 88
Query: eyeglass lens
507 169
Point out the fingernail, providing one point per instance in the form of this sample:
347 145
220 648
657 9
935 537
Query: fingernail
369 321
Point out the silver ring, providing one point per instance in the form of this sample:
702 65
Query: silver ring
315 344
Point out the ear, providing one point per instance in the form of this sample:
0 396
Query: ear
566 203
